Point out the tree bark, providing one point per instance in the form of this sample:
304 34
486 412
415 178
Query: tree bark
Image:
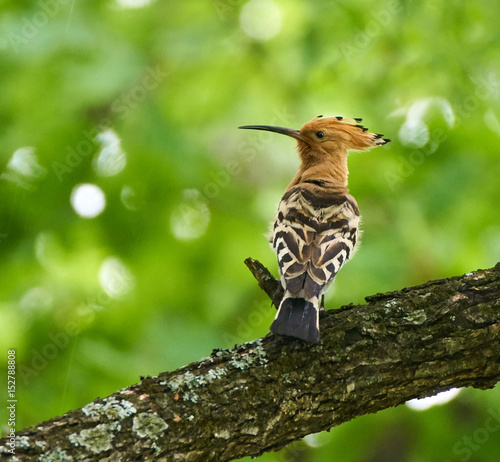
262 395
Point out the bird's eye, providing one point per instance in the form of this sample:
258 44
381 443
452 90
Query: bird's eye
320 135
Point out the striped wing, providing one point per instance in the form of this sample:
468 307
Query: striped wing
314 235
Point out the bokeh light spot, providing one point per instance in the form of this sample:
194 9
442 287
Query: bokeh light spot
436 400
111 159
24 162
48 250
36 299
414 134
129 4
191 217
260 19
129 197
88 200
23 168
115 278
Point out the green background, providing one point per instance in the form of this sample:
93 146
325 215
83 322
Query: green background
157 279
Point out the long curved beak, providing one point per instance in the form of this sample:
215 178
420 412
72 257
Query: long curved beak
271 128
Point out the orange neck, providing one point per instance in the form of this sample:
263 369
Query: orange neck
319 164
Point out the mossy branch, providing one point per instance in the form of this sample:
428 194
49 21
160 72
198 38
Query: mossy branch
262 395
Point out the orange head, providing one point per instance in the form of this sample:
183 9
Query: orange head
329 134
323 143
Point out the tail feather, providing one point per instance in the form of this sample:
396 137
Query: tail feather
297 317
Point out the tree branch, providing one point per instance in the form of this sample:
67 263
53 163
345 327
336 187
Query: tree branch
262 395
266 280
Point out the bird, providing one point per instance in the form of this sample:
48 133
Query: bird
317 225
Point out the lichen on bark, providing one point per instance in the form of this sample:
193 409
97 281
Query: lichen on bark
262 395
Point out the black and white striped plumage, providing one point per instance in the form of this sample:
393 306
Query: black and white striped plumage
317 225
315 233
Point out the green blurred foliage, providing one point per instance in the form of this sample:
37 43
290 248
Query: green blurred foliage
157 279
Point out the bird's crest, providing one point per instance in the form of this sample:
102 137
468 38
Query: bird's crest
323 144
346 132
331 134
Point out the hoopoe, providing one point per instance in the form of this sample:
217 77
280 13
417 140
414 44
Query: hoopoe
317 225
